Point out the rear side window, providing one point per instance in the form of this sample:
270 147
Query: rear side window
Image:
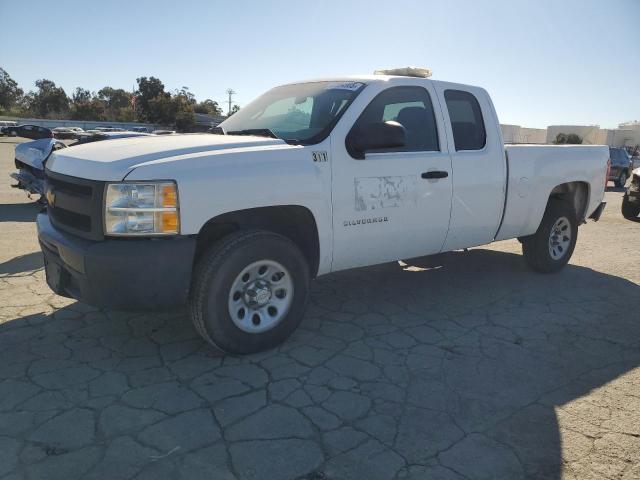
466 120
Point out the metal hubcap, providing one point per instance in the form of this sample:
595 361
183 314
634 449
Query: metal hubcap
260 296
560 238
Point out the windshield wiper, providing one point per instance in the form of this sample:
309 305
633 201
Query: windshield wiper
258 132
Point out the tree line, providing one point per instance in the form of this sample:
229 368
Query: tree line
150 103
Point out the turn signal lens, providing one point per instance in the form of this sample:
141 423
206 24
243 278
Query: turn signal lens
169 222
169 196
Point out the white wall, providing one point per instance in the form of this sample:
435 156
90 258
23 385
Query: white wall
86 125
518 134
623 138
590 134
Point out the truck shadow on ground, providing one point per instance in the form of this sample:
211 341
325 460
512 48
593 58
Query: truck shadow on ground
28 262
463 365
20 212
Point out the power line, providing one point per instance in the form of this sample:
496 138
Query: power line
230 92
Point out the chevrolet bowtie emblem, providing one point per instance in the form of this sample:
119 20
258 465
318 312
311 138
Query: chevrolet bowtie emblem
51 196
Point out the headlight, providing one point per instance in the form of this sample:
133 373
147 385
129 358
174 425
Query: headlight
141 209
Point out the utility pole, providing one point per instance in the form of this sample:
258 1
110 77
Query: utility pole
230 91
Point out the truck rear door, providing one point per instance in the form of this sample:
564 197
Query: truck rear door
477 162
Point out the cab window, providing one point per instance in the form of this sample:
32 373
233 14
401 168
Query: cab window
409 106
466 120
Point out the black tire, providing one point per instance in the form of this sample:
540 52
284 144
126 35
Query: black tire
630 211
213 278
621 180
536 247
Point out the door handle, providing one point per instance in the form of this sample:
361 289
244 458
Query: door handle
435 174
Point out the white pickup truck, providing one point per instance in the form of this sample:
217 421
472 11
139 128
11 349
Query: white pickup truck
310 178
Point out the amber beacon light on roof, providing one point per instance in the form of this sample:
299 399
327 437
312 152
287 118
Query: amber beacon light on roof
405 72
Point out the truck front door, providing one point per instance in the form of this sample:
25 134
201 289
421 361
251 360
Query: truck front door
393 203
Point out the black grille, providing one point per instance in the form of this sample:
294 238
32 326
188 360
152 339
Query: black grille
71 219
77 204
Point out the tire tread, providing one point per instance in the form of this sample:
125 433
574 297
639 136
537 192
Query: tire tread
206 267
534 245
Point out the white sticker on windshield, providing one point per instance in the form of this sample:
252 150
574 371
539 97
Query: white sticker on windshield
352 86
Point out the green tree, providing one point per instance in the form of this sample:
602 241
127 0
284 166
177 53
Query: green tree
183 111
234 109
117 104
188 96
10 94
153 103
124 114
208 107
159 110
48 101
85 105
568 139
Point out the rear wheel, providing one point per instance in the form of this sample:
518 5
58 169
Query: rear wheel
249 291
551 247
629 210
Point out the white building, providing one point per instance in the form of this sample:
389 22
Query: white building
626 135
518 134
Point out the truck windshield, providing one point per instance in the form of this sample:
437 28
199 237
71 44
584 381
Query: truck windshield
300 114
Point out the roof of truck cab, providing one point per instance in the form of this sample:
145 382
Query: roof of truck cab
391 79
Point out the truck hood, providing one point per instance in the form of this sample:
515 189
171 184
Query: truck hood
114 159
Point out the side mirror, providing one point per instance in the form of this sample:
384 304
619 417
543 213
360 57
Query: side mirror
375 136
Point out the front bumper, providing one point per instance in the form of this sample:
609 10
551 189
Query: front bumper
117 273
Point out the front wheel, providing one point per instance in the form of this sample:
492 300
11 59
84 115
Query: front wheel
249 291
551 247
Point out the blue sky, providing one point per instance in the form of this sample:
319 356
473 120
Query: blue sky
544 62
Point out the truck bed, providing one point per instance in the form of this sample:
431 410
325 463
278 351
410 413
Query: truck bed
534 171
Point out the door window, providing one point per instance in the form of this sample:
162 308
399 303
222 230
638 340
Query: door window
409 106
466 120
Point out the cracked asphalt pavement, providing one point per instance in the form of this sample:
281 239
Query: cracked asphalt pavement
463 365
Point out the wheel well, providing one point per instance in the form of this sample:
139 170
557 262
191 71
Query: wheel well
292 221
576 193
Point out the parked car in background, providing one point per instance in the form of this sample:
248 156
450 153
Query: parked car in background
631 199
6 123
140 129
620 169
33 132
109 129
64 133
